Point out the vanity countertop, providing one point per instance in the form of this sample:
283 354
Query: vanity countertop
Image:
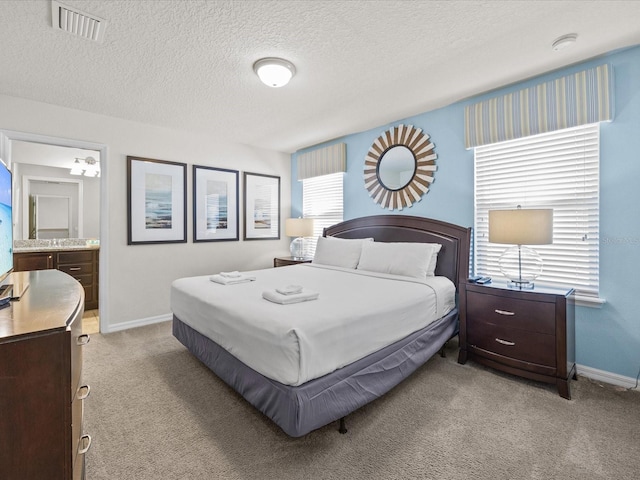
55 245
57 248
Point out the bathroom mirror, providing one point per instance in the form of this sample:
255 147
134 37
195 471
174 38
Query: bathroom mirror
399 167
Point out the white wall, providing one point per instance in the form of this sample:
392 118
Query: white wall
138 277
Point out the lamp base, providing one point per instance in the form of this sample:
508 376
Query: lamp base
297 248
521 265
520 285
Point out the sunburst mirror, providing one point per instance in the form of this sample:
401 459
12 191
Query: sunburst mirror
399 167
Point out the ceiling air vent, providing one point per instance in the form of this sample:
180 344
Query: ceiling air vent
75 22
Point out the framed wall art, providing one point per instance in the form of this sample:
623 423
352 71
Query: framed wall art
261 206
156 201
215 204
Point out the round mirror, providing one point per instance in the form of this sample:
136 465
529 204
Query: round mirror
396 167
399 167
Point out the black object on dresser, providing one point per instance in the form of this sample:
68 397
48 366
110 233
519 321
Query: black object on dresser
530 333
41 389
284 261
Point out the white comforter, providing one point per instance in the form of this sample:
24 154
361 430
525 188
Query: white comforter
357 313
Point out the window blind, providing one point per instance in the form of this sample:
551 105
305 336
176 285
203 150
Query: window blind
558 170
322 200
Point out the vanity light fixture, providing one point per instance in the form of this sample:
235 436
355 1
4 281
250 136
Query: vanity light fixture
564 41
76 169
274 72
88 167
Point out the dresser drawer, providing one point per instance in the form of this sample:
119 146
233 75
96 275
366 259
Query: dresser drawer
84 256
531 347
509 312
77 413
77 269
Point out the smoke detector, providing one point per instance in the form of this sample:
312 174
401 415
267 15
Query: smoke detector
76 22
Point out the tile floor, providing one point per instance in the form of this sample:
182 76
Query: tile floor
91 322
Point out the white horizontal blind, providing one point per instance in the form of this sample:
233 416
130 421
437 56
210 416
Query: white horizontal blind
322 200
558 170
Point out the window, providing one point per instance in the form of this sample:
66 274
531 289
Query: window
558 170
322 201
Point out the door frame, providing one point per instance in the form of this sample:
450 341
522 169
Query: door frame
7 136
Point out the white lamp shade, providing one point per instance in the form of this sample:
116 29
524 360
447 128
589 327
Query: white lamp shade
521 226
298 227
274 72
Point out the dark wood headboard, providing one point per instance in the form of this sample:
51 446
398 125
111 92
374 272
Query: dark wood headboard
453 259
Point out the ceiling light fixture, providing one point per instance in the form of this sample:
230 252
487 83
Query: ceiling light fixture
564 41
274 72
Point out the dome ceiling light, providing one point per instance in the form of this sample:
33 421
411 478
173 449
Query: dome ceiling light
274 72
564 41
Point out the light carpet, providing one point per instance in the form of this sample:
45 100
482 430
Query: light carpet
155 412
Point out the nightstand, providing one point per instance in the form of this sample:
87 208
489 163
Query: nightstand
530 333
283 261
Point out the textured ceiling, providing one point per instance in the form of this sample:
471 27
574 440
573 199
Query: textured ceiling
360 64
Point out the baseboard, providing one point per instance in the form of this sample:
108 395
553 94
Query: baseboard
606 377
138 323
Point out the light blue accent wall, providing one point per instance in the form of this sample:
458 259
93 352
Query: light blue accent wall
607 338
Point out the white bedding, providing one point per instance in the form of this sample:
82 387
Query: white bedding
356 313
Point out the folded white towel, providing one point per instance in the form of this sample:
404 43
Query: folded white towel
289 289
234 274
276 297
231 281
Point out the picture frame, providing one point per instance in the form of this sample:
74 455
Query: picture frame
261 206
156 201
215 204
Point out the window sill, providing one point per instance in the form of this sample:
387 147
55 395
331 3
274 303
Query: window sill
587 301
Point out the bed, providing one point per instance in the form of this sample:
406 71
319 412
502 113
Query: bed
304 374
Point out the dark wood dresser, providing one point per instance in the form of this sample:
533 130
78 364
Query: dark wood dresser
81 264
41 391
530 333
284 261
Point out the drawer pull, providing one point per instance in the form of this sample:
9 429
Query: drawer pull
74 269
85 439
504 312
87 389
83 339
505 342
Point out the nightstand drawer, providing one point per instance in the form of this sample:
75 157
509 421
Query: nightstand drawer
508 312
514 343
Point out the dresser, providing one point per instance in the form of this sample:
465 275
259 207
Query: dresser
530 333
41 388
81 264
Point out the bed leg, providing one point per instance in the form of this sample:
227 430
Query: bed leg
443 354
342 429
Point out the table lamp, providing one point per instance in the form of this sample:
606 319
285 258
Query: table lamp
299 228
520 227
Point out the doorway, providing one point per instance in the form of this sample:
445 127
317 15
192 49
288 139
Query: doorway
50 159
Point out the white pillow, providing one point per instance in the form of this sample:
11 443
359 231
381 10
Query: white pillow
431 271
407 259
339 252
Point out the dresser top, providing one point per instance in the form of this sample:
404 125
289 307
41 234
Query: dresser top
52 298
502 286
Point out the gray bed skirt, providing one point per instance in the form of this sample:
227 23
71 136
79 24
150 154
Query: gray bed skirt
301 409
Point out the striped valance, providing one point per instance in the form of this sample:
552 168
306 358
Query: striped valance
578 99
323 161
